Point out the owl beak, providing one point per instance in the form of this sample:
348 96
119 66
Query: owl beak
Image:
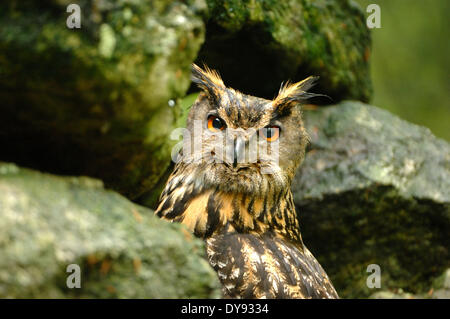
239 145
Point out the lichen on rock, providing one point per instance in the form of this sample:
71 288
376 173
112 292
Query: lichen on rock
256 45
123 250
374 189
95 101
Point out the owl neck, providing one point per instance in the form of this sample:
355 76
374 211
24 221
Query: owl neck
207 212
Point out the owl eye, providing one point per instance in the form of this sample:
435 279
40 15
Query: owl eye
270 133
215 123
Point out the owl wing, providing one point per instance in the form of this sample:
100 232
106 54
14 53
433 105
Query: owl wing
266 266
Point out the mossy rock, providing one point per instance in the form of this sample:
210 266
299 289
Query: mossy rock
123 250
100 100
374 189
256 45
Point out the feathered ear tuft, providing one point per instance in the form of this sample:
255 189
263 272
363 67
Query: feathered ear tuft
208 80
291 94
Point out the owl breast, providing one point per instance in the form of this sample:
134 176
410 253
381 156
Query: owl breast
266 266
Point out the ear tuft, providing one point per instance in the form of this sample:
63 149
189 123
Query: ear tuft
207 79
291 94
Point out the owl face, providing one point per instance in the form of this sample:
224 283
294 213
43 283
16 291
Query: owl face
240 143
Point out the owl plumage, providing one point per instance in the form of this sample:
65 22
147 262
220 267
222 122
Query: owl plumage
245 215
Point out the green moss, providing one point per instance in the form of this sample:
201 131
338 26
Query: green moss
256 45
94 101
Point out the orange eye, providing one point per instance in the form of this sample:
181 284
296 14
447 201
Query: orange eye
270 133
215 124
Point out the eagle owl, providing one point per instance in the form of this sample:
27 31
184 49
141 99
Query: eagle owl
231 187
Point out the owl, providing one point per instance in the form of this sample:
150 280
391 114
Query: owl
231 187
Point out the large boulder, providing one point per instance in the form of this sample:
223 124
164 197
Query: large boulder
374 189
100 100
256 45
123 250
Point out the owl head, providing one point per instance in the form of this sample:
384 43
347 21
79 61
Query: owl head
237 143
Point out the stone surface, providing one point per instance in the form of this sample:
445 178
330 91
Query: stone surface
123 250
374 189
96 101
441 286
256 45
439 290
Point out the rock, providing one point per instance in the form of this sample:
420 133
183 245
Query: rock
440 290
374 189
123 250
100 100
256 45
151 197
394 295
441 286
